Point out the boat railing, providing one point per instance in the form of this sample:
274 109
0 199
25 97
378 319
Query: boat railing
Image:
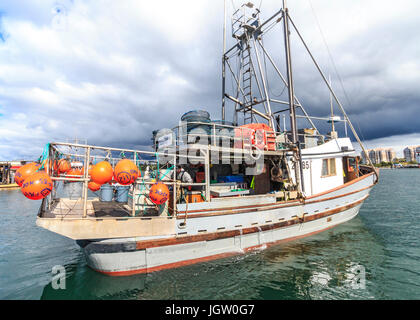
230 136
215 134
162 165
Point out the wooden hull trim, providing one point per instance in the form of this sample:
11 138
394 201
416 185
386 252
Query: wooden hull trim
264 207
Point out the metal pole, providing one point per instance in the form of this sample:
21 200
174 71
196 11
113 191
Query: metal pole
224 62
85 183
133 210
284 122
207 174
332 111
174 188
50 171
293 126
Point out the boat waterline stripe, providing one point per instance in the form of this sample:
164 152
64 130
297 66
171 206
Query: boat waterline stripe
204 259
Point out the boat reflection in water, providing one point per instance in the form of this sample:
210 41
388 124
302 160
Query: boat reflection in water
319 267
82 283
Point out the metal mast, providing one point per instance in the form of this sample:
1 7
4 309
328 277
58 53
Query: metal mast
245 64
224 62
293 126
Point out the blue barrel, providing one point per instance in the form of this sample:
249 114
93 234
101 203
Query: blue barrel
107 193
122 193
197 133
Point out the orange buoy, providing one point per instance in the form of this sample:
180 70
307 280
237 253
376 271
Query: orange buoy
159 193
102 172
63 166
126 172
93 186
25 171
37 186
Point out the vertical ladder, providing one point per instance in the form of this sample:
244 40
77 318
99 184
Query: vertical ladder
247 82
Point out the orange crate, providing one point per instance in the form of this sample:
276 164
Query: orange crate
194 196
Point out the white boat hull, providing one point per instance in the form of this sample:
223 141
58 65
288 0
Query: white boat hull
256 229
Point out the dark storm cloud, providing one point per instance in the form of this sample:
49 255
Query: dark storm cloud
112 74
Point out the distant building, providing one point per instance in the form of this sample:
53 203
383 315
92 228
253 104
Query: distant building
391 155
379 155
418 154
364 156
410 153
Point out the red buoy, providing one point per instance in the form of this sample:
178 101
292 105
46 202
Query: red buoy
25 171
126 172
93 186
37 186
102 172
159 193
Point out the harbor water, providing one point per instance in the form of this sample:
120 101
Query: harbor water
382 242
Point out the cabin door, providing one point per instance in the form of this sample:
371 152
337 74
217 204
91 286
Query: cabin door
350 168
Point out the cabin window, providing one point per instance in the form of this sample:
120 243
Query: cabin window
328 167
352 165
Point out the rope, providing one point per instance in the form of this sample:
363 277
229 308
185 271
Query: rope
44 157
167 171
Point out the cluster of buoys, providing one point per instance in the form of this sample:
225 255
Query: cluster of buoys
125 173
34 184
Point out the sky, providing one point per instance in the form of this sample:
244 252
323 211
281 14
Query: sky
111 72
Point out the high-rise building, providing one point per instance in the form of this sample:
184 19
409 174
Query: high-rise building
391 155
418 154
379 155
410 153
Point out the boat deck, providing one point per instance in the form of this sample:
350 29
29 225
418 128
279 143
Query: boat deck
73 208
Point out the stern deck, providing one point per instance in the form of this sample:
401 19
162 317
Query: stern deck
65 208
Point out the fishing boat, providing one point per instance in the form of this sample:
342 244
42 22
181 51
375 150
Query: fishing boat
231 188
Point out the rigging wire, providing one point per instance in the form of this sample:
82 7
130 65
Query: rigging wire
333 64
266 74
